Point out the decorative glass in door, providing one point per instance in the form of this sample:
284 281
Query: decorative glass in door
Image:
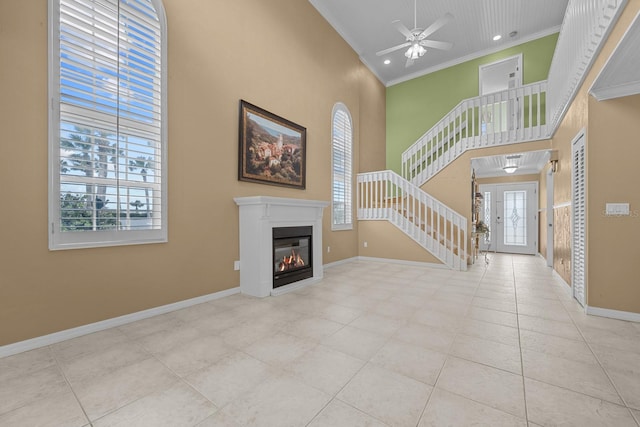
487 217
515 218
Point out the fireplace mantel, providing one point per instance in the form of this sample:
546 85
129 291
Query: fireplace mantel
258 216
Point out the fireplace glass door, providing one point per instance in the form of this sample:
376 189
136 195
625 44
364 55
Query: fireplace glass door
292 255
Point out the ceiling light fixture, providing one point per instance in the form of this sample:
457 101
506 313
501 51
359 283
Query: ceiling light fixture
387 61
497 37
415 51
511 163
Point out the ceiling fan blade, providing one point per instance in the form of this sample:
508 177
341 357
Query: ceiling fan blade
436 44
404 30
409 63
441 22
393 49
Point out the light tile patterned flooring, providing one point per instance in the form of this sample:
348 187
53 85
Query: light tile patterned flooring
373 344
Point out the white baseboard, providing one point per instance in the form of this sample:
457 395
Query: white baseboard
340 262
404 262
56 337
613 314
567 286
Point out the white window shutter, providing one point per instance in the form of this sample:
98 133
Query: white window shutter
108 144
342 157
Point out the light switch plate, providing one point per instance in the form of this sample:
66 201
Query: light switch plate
617 209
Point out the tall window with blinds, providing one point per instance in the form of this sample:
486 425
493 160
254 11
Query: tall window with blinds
341 194
107 143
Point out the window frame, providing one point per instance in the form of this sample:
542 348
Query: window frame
347 225
59 240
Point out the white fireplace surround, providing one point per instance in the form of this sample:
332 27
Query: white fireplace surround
258 216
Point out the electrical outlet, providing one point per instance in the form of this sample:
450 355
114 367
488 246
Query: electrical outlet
328 249
617 209
365 244
236 265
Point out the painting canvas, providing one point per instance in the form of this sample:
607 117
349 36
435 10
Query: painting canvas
272 149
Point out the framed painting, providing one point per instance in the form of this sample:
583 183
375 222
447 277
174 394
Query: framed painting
272 148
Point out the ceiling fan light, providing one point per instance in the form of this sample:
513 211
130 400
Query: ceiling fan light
510 169
415 51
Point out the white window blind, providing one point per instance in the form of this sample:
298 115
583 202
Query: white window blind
108 137
342 141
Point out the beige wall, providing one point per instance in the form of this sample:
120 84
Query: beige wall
613 242
280 55
611 131
384 240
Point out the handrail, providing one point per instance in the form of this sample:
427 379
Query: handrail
506 117
385 195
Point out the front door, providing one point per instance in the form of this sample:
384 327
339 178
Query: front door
511 213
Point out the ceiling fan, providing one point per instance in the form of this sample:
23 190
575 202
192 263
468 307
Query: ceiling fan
416 39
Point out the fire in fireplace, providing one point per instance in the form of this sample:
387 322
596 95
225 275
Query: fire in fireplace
292 257
290 262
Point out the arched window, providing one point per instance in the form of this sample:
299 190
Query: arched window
341 194
107 123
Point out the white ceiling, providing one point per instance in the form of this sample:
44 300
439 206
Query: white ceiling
530 162
621 75
366 26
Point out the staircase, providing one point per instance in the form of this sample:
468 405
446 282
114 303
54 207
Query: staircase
508 117
522 114
501 118
385 195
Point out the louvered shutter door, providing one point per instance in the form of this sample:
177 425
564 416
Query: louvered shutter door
342 136
578 264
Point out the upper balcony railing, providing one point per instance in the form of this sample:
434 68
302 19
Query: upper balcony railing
513 115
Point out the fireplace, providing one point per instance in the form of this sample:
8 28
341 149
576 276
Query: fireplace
259 217
292 254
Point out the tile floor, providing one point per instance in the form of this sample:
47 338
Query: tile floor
373 344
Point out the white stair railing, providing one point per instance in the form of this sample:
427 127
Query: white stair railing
385 195
507 117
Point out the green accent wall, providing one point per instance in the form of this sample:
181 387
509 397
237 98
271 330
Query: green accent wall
414 106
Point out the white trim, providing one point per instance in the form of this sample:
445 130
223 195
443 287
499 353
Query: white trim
58 240
626 89
340 262
482 69
474 55
405 262
567 286
347 174
599 89
562 205
596 40
389 260
56 337
613 314
581 282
